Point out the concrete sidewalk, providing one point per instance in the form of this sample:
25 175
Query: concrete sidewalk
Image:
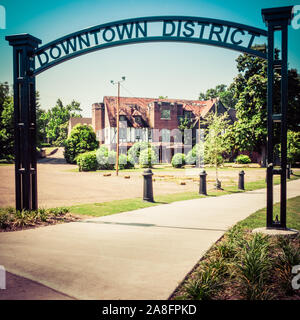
141 254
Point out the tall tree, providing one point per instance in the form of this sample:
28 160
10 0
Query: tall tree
216 142
250 87
226 94
57 119
6 122
7 129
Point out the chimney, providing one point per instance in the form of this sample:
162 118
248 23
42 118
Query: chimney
98 121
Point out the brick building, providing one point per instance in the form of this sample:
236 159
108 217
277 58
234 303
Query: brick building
150 119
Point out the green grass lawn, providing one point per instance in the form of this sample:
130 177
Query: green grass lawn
258 219
117 206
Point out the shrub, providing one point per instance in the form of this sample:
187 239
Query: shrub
190 158
82 139
125 162
87 161
148 157
254 268
193 155
4 220
203 287
178 160
242 159
106 159
135 150
293 147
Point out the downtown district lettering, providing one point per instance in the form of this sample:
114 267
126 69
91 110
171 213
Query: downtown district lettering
187 29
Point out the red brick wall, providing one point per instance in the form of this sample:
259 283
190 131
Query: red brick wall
98 120
158 123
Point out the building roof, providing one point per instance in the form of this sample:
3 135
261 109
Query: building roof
75 120
133 106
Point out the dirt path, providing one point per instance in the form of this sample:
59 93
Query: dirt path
60 185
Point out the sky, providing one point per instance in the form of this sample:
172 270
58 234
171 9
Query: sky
176 70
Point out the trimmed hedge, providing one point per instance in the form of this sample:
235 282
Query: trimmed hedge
148 157
242 159
190 158
135 150
87 161
106 159
125 162
178 160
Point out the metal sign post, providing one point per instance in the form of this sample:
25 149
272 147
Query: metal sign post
24 120
277 19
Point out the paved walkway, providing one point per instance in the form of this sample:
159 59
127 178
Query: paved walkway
141 254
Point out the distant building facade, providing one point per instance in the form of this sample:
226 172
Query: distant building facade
149 119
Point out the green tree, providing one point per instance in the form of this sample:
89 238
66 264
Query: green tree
41 122
226 95
82 139
57 118
7 129
250 87
4 93
293 147
216 142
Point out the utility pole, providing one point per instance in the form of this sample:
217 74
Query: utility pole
118 122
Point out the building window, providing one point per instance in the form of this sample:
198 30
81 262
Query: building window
165 135
123 134
165 114
138 119
138 134
122 118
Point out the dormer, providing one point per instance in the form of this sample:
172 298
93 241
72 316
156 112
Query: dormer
122 115
137 117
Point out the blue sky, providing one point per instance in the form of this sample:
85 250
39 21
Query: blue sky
176 70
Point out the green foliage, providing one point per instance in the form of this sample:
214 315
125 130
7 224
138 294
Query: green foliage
148 157
11 219
190 158
178 160
216 142
135 150
255 267
242 159
87 161
221 91
293 146
250 87
125 162
106 159
56 120
7 129
82 139
203 286
197 154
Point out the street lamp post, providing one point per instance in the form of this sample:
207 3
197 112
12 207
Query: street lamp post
118 122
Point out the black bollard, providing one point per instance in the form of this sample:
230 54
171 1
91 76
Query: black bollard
148 186
202 186
241 180
288 171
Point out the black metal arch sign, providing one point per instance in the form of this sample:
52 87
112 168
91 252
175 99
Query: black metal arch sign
151 29
30 59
